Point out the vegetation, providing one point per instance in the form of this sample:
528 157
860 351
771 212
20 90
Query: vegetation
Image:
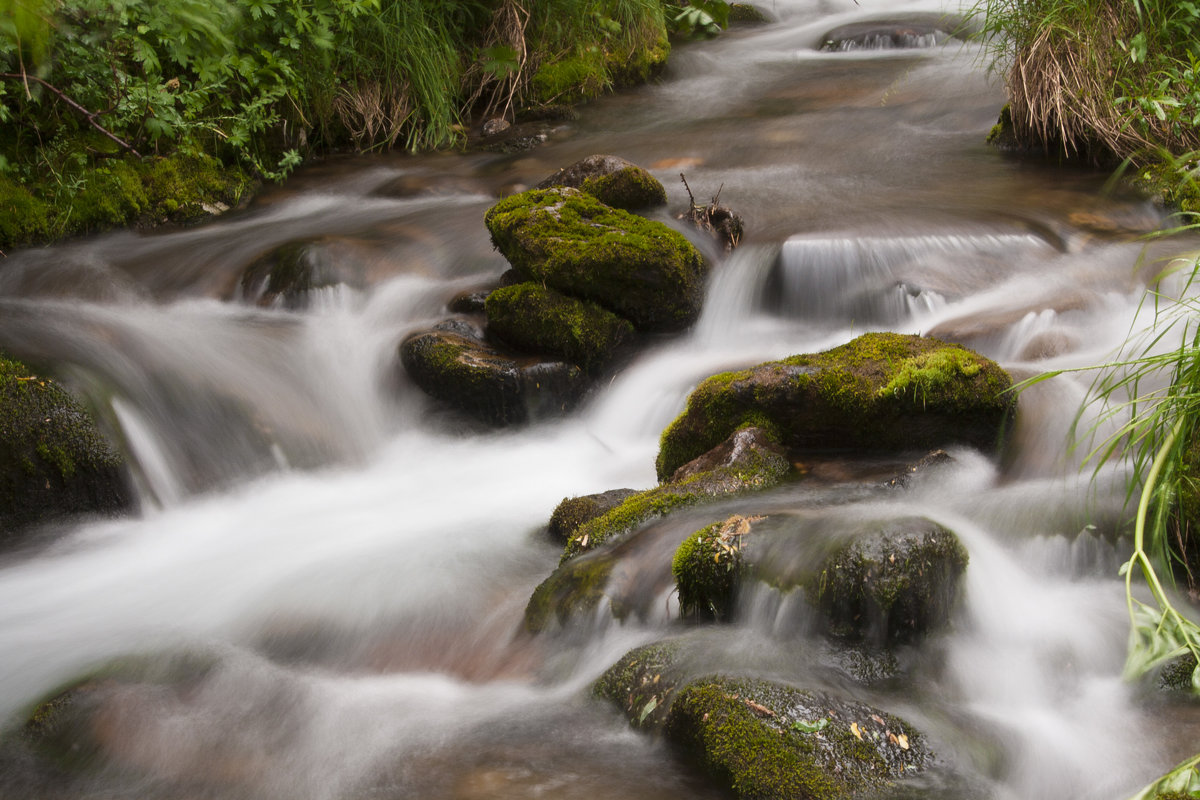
1106 79
255 86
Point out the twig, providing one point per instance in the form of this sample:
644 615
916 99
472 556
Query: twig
90 116
691 197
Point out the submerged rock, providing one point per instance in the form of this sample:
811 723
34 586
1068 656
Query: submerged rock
891 34
54 461
494 386
613 181
880 392
287 274
570 241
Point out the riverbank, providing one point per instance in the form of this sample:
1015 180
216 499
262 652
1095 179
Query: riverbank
119 117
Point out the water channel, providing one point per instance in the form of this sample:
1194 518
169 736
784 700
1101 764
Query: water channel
353 562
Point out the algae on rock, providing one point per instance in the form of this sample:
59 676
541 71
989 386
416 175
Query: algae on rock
881 391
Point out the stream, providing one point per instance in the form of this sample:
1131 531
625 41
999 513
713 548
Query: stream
351 562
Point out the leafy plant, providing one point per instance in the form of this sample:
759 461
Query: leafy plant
698 19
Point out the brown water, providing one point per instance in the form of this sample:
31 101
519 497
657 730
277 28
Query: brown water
351 565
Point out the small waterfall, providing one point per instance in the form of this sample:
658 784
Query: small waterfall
874 279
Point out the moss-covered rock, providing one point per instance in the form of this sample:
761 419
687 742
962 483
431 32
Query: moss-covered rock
574 590
642 684
747 469
708 568
746 14
570 241
891 583
880 392
765 740
537 319
53 459
493 386
612 180
573 78
572 512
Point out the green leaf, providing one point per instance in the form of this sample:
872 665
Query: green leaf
651 704
810 727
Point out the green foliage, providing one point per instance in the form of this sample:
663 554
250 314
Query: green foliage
1098 76
698 19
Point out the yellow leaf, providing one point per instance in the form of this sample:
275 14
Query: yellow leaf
902 740
854 729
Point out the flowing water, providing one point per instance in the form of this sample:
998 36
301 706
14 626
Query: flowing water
350 564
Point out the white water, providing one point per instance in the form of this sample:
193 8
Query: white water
354 563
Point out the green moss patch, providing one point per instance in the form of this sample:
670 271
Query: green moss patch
53 459
765 740
882 391
570 241
572 512
532 317
708 568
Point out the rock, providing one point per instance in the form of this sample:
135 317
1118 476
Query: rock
53 460
746 14
494 126
708 568
930 462
537 319
613 181
288 273
742 444
573 591
571 242
890 34
890 584
574 511
880 392
471 301
760 739
753 469
642 684
490 384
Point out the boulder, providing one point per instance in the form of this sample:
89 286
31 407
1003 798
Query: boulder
642 683
891 583
534 318
570 241
613 181
573 591
53 460
880 392
574 511
753 467
490 384
708 568
760 739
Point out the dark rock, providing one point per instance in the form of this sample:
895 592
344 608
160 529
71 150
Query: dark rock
574 511
890 584
613 181
742 445
891 34
753 469
760 739
642 684
746 14
708 568
537 319
490 384
494 126
930 462
880 392
570 241
289 272
53 460
468 302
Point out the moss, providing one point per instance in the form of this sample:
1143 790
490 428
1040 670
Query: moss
882 391
53 459
637 268
641 62
571 591
642 684
765 740
572 512
629 189
575 78
538 319
707 568
24 219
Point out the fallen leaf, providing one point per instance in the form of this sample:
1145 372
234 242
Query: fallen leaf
902 740
758 709
854 729
646 709
877 718
804 726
